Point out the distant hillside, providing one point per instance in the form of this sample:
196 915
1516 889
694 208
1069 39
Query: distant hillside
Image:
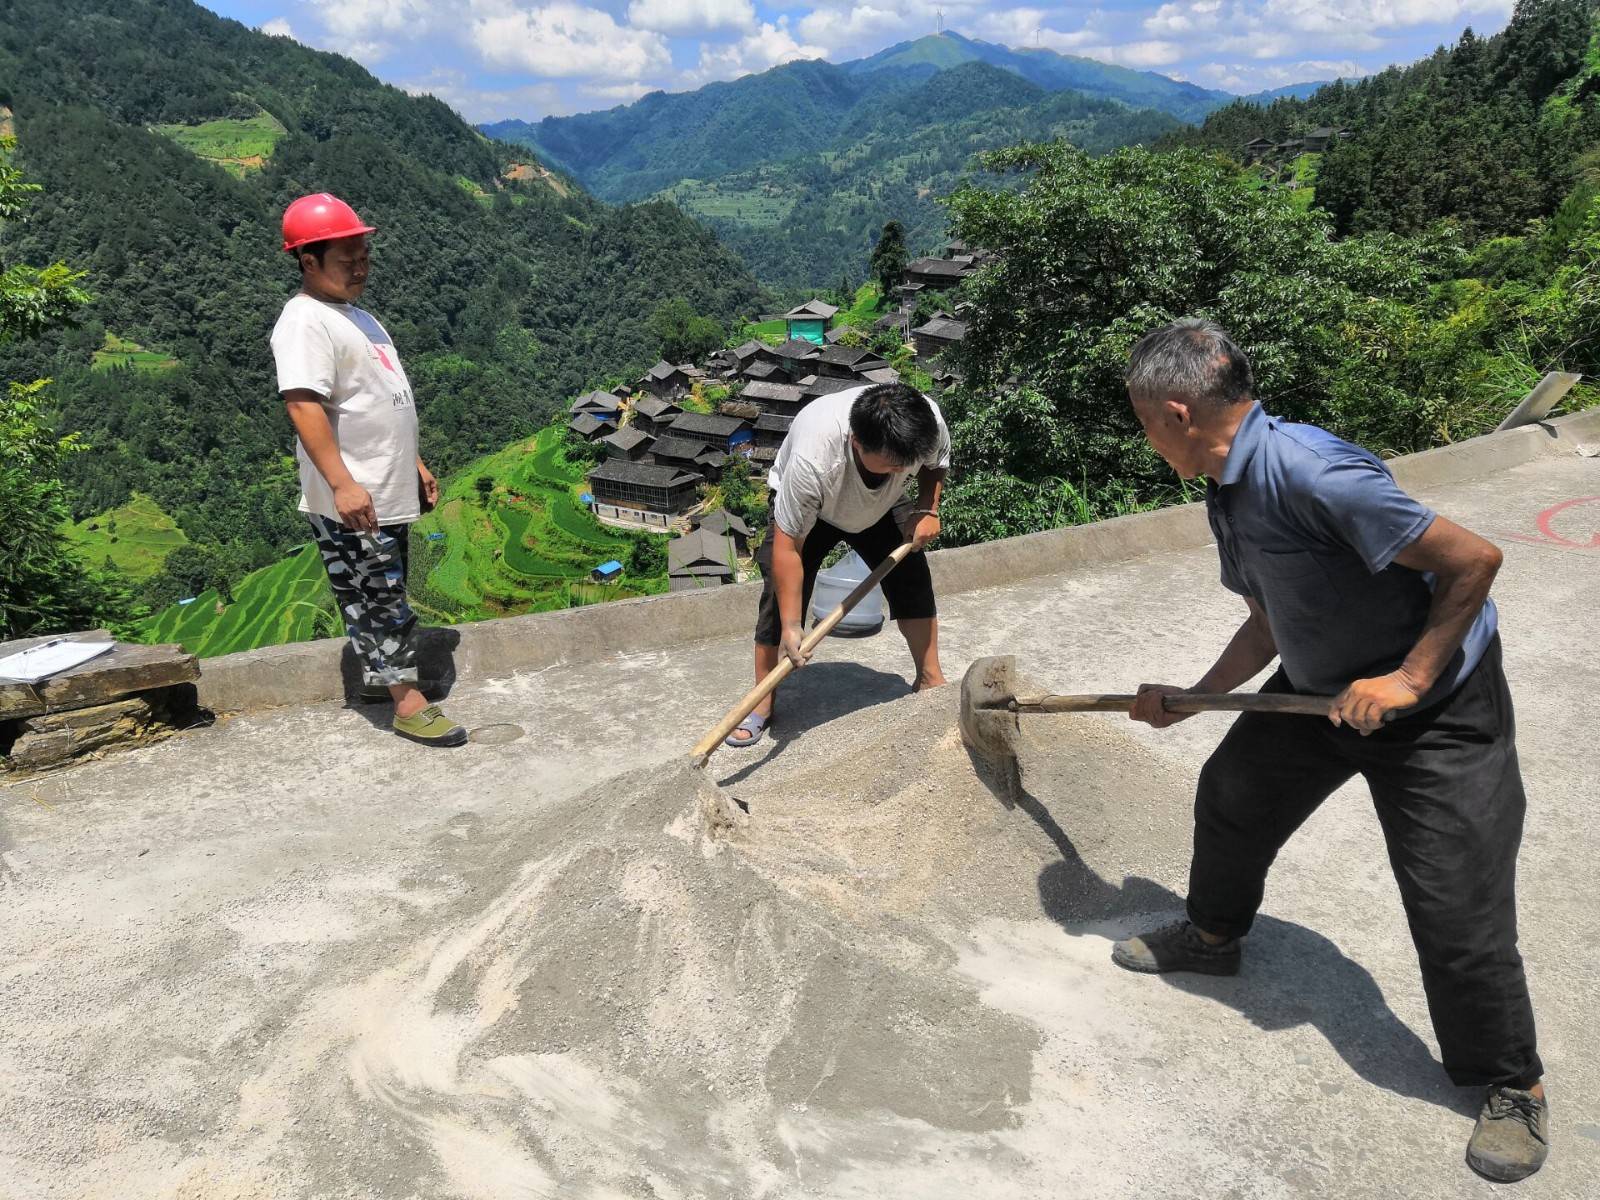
167 141
812 219
800 108
1052 71
1490 132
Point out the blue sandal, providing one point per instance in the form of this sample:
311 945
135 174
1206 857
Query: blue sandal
755 725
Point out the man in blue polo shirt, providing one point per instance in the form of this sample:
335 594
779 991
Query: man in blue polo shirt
1366 596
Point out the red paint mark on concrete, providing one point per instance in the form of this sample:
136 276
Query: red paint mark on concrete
1565 525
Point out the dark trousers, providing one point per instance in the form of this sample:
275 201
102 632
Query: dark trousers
908 588
1448 794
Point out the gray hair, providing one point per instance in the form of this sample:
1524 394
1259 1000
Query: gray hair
1194 359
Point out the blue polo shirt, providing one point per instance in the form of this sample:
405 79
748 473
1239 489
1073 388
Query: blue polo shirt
1308 526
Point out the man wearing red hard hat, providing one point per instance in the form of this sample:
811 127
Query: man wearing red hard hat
362 481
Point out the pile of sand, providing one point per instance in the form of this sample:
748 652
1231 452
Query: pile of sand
630 1000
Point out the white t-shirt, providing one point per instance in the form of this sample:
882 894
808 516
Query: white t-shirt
815 474
344 355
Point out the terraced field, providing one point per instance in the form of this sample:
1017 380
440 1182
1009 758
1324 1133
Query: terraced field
236 145
288 601
528 546
119 352
136 538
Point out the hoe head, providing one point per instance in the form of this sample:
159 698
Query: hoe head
989 728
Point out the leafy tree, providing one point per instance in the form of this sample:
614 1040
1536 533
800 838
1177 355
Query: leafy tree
1102 250
683 336
647 556
483 485
889 257
43 588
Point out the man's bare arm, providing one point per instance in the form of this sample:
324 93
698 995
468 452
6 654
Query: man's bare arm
352 501
1251 649
1464 567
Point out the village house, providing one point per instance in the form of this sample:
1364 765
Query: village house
810 321
939 274
688 454
813 387
723 433
845 362
601 405
666 381
784 398
700 559
629 442
721 521
1318 140
590 427
937 334
795 355
651 415
881 376
642 493
1257 148
772 428
762 369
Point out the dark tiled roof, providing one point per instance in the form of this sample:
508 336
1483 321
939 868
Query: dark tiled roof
782 393
699 549
678 447
663 370
620 470
943 328
826 385
843 356
627 438
720 521
596 402
587 423
945 267
760 369
749 350
797 348
705 425
650 406
773 423
811 309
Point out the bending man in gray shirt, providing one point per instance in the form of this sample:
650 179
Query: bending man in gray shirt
1365 595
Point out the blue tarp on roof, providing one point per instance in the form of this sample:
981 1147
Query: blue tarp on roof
586 497
607 569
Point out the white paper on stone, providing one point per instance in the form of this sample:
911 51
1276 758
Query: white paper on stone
52 658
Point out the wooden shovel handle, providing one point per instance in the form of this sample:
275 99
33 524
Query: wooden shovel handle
1190 702
705 746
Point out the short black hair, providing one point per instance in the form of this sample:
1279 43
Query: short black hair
1193 358
896 421
317 250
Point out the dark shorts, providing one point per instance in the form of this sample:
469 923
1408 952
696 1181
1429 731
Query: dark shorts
908 588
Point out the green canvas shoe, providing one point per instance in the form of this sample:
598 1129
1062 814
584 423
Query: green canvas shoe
430 727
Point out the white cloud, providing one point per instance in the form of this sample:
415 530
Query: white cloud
1175 19
769 46
277 27
564 40
529 102
678 17
616 93
360 20
1254 77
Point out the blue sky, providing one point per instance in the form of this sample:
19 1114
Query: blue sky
529 58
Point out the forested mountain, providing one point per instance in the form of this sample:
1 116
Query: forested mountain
1490 132
167 141
636 150
811 220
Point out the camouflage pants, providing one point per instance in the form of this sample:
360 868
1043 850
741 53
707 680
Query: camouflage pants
367 572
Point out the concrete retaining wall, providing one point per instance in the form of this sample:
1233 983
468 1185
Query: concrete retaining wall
311 672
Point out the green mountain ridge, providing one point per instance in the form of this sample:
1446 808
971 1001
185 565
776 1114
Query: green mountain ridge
811 219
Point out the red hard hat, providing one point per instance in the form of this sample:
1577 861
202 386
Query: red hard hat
319 218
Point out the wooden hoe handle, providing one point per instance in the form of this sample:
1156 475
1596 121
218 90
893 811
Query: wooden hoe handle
706 745
1192 702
